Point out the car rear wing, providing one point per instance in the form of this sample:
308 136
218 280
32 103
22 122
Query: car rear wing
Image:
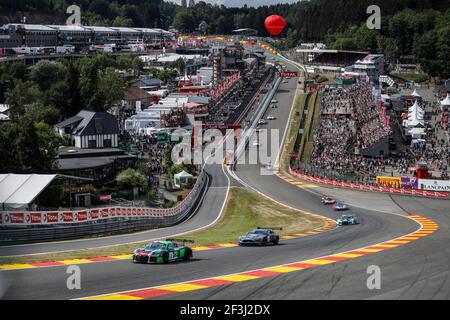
181 240
269 228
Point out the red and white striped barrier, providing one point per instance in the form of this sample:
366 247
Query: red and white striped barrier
331 182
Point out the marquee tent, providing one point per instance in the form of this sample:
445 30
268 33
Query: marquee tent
19 190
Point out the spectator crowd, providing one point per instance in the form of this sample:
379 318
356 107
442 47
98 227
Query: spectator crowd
350 121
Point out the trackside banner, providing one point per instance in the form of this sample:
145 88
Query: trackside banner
421 193
97 214
433 185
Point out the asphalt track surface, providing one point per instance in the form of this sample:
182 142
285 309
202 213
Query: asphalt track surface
418 270
205 215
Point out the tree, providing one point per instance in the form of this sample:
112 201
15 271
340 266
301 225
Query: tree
166 75
28 145
73 98
389 47
131 178
120 21
137 65
45 73
23 94
178 64
184 21
366 39
111 87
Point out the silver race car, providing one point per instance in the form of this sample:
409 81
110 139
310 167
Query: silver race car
260 236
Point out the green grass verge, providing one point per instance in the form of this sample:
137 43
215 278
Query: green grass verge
412 77
244 210
310 126
291 138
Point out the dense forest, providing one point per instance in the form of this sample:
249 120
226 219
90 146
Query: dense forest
409 27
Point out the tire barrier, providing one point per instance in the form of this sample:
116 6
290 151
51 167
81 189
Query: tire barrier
29 227
355 186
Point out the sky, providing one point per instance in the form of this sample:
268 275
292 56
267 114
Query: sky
240 3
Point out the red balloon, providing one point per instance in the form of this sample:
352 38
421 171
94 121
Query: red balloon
275 24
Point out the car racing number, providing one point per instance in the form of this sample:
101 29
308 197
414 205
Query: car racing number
173 255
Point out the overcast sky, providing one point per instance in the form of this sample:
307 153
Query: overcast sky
240 3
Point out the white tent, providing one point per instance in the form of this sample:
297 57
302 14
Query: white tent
416 116
417 133
181 178
446 101
19 190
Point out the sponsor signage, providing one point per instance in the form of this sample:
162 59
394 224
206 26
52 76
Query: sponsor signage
52 217
94 214
105 198
67 216
36 217
288 74
409 183
82 216
433 185
16 217
393 182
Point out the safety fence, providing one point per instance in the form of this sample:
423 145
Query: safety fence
331 182
31 226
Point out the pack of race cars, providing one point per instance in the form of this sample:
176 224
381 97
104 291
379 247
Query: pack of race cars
170 250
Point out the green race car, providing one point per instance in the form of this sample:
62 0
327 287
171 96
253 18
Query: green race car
163 252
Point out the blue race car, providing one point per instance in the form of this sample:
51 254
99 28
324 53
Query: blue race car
347 219
340 206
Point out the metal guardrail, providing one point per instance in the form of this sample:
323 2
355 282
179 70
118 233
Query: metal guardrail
29 234
248 131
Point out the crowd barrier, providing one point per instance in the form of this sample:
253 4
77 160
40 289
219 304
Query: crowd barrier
355 186
68 217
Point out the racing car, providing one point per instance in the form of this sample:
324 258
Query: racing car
270 117
340 206
347 220
163 252
260 236
327 200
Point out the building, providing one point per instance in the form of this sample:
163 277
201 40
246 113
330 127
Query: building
89 129
148 84
372 66
135 96
100 165
28 35
15 35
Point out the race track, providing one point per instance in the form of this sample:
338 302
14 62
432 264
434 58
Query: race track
417 270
